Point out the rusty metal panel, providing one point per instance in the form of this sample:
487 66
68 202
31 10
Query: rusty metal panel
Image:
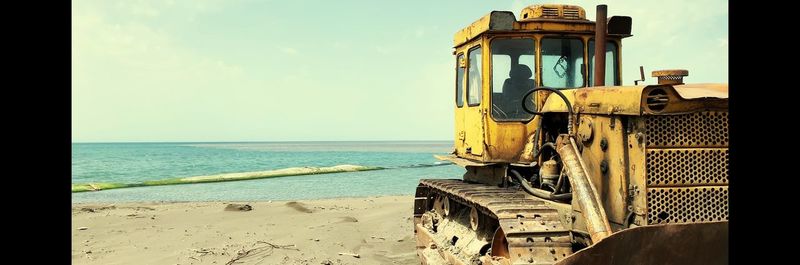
637 170
700 129
624 100
606 161
687 167
687 204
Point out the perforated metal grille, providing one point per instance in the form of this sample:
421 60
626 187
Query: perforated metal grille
702 129
674 167
687 205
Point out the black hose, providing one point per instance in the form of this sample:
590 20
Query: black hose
569 105
537 192
628 217
548 185
539 152
563 97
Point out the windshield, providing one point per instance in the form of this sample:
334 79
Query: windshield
513 61
562 61
611 63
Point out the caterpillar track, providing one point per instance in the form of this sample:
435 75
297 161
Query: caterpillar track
465 223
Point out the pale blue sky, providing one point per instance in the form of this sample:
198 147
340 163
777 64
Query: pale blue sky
247 70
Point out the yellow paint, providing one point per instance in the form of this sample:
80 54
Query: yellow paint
636 172
599 100
482 25
611 186
495 22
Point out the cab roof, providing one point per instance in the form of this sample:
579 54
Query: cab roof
541 18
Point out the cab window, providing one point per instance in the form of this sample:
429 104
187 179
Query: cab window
513 61
562 61
474 82
611 64
459 81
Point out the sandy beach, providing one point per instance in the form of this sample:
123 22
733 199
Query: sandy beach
377 229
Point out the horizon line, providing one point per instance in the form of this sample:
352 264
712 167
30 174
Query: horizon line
249 141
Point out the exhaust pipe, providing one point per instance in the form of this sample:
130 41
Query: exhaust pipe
600 28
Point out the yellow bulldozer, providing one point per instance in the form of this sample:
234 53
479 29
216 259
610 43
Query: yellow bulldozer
564 165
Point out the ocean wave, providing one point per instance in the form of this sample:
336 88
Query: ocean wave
286 172
237 176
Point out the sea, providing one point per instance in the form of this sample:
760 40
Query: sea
405 163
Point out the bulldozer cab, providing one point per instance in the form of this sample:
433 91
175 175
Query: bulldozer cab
499 60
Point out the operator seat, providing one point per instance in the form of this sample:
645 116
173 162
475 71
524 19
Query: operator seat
518 83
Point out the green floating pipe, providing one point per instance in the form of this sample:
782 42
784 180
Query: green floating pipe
294 171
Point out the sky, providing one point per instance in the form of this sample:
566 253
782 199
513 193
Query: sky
247 70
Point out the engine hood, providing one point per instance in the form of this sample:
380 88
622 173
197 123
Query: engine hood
633 100
692 91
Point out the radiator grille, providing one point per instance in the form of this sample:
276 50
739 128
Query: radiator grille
687 205
687 167
687 164
702 129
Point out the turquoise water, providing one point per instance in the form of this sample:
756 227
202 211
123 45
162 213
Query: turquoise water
137 162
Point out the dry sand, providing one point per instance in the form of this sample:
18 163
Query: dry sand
378 229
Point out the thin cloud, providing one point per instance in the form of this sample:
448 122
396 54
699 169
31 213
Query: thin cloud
382 50
723 42
289 50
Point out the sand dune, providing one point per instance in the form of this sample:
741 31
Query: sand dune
378 229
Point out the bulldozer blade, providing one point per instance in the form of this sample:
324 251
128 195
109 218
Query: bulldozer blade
686 244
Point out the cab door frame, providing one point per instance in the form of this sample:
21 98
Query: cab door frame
460 132
474 114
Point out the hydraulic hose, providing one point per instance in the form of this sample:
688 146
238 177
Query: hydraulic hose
537 192
563 97
539 151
